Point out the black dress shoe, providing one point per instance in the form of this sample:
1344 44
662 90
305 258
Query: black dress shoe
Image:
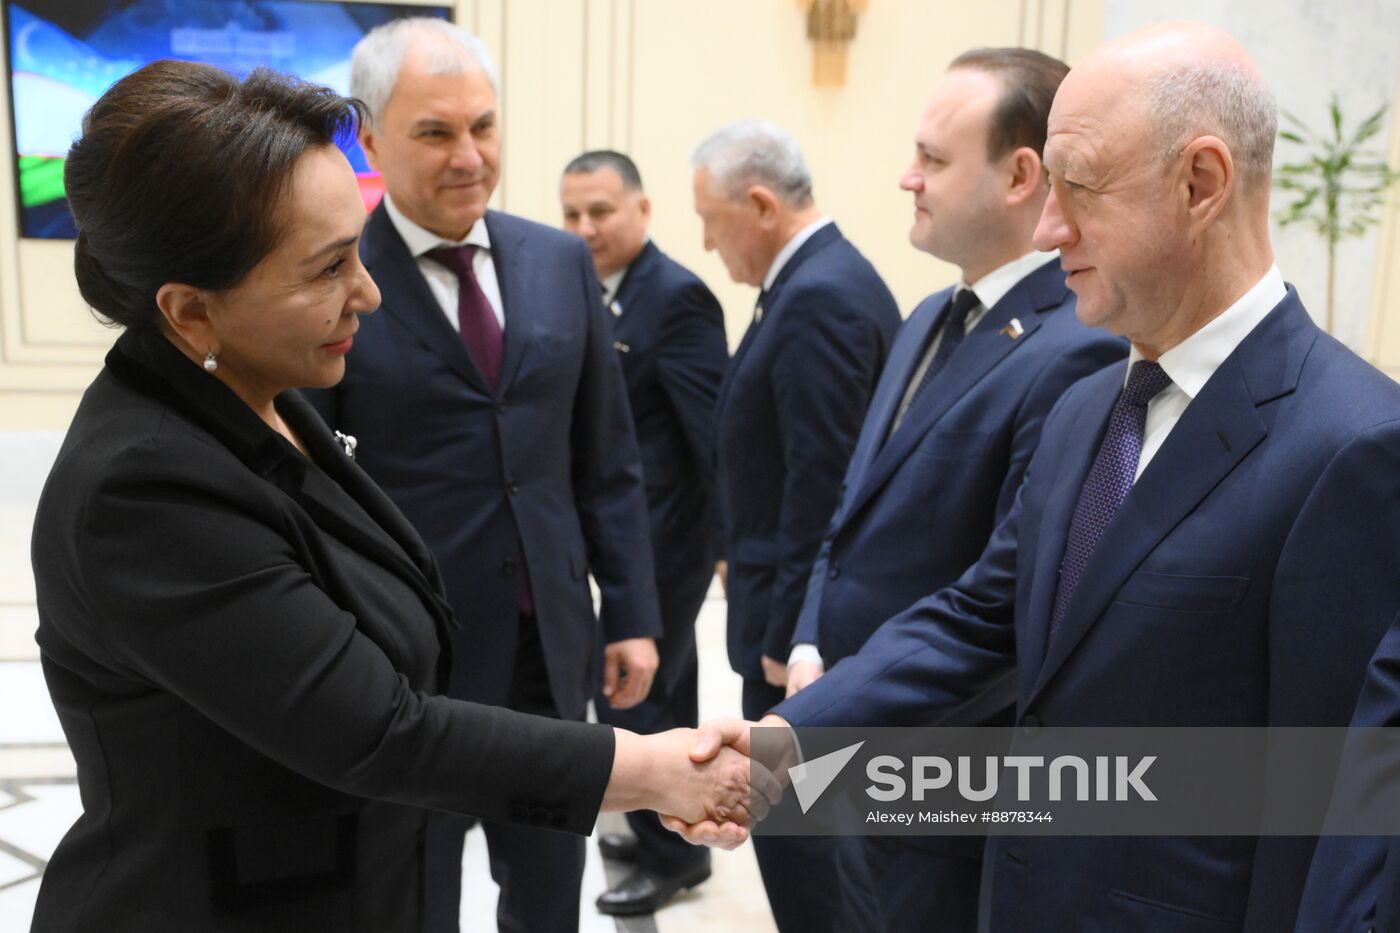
618 847
646 892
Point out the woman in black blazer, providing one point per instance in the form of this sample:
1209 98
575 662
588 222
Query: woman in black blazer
242 636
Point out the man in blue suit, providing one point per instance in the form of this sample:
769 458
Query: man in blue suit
789 412
669 332
1206 536
954 421
1354 882
488 402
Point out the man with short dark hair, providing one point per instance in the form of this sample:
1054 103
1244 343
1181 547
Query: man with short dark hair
668 330
953 424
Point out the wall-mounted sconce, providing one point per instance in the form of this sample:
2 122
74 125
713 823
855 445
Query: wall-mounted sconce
831 25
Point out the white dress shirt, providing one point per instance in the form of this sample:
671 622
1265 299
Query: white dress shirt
442 281
791 247
989 289
610 286
1191 363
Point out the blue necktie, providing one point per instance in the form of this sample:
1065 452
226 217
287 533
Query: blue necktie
953 330
1108 481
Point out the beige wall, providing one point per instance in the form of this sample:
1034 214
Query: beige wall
651 77
647 76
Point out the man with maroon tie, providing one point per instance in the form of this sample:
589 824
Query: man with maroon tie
487 400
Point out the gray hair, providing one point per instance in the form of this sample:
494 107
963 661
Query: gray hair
749 152
1221 99
375 63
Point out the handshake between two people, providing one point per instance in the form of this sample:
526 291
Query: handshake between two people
704 782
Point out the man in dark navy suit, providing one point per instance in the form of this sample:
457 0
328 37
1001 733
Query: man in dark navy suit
1206 536
1354 882
789 412
954 421
669 332
488 402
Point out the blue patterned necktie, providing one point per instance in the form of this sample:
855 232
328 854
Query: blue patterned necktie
1108 481
953 330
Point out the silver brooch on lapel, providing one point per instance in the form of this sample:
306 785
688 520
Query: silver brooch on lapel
621 347
615 308
347 443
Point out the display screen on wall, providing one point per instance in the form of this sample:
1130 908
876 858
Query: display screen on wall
63 54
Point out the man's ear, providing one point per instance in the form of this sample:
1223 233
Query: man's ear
186 312
1024 174
1208 176
368 142
765 202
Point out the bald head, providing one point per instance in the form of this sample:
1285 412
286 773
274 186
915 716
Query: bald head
1193 80
1159 150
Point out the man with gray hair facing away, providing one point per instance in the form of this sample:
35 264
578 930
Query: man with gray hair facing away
789 412
489 404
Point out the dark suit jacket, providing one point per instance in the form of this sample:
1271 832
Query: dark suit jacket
672 329
1354 882
544 465
918 506
789 413
1245 581
243 648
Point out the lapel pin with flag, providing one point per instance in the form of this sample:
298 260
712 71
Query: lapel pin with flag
1014 330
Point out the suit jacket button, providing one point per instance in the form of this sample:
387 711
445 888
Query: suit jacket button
508 567
833 571
514 487
1030 724
502 407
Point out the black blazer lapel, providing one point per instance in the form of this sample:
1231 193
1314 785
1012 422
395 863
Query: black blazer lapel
408 301
346 503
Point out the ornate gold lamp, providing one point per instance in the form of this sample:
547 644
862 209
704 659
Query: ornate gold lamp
831 25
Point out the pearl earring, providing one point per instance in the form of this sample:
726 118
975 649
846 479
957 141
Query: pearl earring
210 364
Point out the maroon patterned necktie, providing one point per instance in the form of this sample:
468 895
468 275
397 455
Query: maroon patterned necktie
480 330
1108 481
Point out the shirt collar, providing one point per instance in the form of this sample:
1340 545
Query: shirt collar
419 240
1191 363
992 287
611 283
791 247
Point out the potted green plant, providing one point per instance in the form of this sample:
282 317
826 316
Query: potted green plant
1338 186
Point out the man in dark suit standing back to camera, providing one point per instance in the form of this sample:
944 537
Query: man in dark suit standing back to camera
953 424
488 402
789 412
669 336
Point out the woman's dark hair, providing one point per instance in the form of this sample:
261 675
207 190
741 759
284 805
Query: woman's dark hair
178 176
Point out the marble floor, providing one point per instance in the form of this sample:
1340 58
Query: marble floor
39 796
